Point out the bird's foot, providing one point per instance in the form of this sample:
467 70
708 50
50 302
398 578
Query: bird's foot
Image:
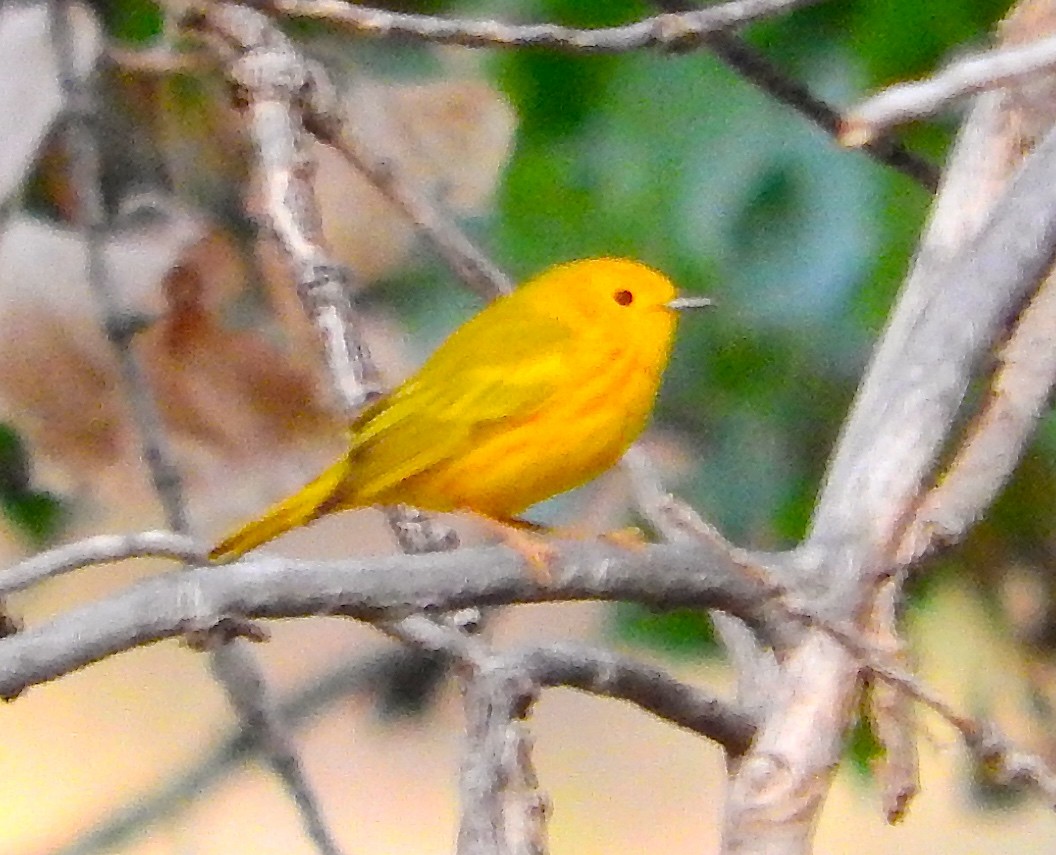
529 540
630 537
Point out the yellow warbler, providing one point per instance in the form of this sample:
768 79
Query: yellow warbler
540 392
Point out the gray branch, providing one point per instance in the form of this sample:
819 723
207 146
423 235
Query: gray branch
233 666
240 675
101 549
602 672
90 216
960 296
676 31
904 102
1019 397
371 590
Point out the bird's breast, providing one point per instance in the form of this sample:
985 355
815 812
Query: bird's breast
581 430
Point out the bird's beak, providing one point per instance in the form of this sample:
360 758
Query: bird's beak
680 303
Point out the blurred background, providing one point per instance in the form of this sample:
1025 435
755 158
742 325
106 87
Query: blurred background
543 157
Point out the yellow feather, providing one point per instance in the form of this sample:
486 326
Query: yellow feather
307 504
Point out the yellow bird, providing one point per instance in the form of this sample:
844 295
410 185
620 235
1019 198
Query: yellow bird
540 392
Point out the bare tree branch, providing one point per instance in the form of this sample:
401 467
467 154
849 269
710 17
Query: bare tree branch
602 672
905 102
372 590
670 32
758 70
231 751
233 666
918 375
240 676
1019 396
951 310
891 710
272 83
504 813
91 218
101 549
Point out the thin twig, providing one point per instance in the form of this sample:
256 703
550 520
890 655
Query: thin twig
597 672
503 810
91 218
1005 66
891 711
296 709
758 70
602 672
241 678
465 259
670 32
755 665
272 82
100 549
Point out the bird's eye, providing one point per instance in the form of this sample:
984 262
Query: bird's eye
623 297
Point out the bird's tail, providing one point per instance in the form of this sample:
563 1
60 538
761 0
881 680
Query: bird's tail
309 503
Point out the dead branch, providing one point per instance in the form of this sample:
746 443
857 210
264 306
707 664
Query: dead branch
371 590
92 219
905 102
101 549
669 32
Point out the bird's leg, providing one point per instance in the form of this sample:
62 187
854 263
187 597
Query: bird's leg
628 537
528 540
532 540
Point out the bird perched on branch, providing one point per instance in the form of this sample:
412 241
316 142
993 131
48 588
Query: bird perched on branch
540 392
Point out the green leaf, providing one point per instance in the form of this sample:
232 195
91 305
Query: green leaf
14 462
135 21
682 632
39 516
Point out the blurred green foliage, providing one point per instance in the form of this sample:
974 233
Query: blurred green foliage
133 21
863 748
37 515
682 632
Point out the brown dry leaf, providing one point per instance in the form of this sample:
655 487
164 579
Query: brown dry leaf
231 391
58 378
225 395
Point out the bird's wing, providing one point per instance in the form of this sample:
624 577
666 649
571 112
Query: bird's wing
483 375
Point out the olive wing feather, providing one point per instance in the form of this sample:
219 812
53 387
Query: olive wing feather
485 374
